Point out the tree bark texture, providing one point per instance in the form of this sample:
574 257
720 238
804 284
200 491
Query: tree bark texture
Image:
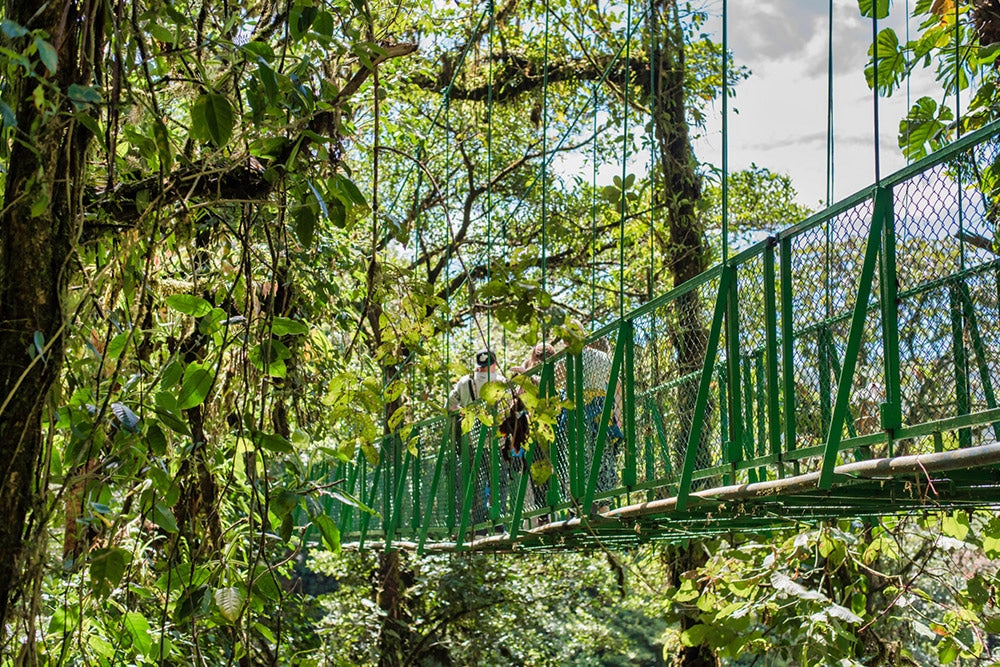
687 254
39 223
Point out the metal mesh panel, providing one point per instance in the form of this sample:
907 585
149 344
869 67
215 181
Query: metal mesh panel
947 302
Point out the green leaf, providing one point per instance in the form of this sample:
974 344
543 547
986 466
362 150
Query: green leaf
283 326
138 628
695 635
164 518
174 422
189 304
229 601
7 114
493 392
107 566
274 443
348 499
948 651
329 530
156 439
259 49
47 54
269 357
212 119
284 502
880 7
541 471
304 218
83 96
195 387
12 29
956 525
162 139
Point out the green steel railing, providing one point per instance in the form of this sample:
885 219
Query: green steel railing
764 368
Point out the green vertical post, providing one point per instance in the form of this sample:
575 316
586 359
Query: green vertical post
469 488
435 480
547 388
522 487
649 457
761 396
366 517
705 384
626 336
453 432
846 380
602 428
724 437
747 442
771 342
417 482
823 342
787 343
396 508
979 349
576 449
661 436
494 454
890 411
734 446
346 520
574 391
962 402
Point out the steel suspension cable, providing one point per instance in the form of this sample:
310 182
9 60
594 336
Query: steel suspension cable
725 131
875 93
829 160
624 200
544 174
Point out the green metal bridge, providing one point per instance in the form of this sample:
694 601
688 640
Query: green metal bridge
847 366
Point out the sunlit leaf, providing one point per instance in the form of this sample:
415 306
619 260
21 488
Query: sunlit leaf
189 304
195 387
329 530
138 628
229 600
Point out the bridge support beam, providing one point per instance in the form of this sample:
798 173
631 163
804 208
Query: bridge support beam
881 209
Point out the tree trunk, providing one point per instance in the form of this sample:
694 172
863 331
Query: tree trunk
687 254
39 223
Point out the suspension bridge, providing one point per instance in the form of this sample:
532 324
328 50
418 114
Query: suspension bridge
842 368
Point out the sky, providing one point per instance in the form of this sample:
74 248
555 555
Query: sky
778 117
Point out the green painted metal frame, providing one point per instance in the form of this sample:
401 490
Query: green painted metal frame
881 209
979 350
701 402
962 401
602 428
626 339
754 381
435 480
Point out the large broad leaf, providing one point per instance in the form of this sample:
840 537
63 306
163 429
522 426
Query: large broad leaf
283 326
879 7
329 530
195 387
229 600
138 628
128 419
164 518
212 119
189 304
107 566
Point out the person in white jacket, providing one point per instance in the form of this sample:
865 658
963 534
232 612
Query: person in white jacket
467 391
469 387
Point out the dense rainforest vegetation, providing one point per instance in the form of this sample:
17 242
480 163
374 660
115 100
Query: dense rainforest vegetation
228 255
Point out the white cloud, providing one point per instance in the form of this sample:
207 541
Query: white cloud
778 118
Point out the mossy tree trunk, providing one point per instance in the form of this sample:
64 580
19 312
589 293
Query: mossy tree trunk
39 223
